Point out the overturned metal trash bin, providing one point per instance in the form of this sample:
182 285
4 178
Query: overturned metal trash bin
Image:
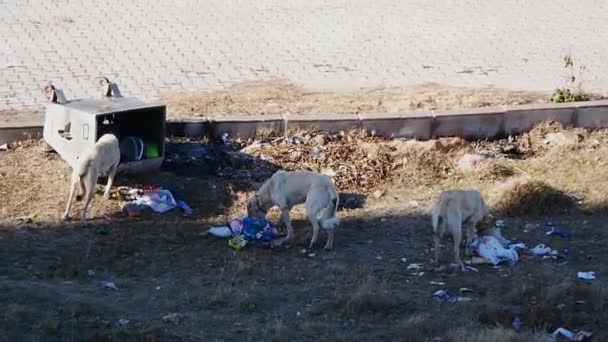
71 126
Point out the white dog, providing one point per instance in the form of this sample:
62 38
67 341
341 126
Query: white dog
287 189
99 159
453 210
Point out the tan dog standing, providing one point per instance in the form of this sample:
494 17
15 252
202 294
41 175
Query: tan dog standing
455 211
99 159
287 189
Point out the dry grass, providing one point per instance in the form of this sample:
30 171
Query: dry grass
277 97
300 297
523 196
37 183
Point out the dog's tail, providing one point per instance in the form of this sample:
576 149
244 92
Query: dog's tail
329 220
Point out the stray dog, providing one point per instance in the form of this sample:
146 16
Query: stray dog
287 189
454 210
99 159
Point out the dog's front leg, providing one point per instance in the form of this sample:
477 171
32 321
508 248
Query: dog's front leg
285 220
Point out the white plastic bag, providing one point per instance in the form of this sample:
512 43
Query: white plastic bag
490 248
222 232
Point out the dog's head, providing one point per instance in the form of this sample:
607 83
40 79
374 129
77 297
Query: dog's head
254 208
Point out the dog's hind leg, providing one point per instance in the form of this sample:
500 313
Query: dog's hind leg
330 239
91 181
73 186
111 174
315 231
437 241
287 223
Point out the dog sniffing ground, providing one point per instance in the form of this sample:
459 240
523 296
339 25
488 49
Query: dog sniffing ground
52 273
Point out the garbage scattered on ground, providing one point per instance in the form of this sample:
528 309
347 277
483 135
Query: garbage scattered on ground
586 275
540 250
91 273
445 296
174 317
237 243
122 322
221 232
555 231
158 199
517 246
571 335
489 247
183 206
109 285
465 289
413 267
248 230
437 283
517 324
4 147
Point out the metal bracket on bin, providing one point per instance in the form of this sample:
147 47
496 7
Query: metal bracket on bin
53 94
108 89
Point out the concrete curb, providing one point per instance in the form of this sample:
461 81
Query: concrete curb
481 123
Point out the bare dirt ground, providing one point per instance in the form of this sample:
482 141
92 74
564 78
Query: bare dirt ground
278 97
360 291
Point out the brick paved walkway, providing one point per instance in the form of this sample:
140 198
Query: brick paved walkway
150 47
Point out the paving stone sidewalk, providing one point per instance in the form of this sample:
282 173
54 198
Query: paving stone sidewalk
151 47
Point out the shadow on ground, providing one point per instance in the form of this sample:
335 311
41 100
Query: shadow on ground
51 284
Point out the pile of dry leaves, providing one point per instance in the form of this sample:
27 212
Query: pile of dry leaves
357 161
